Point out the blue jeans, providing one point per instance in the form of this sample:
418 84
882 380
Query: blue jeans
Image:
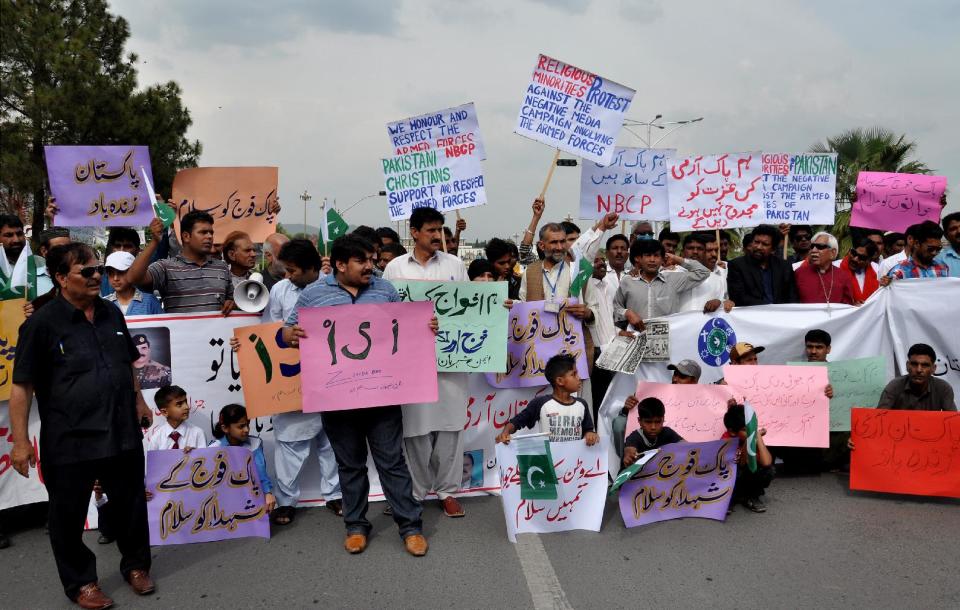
382 428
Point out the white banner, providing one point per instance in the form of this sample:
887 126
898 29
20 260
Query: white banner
14 489
448 179
634 185
455 127
799 188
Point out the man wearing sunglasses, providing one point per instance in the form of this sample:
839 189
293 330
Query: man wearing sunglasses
818 280
77 355
927 245
859 265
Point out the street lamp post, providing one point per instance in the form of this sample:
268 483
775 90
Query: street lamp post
648 142
305 197
362 199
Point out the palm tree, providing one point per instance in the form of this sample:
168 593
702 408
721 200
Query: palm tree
876 149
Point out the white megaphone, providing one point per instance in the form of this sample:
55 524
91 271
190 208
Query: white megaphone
251 295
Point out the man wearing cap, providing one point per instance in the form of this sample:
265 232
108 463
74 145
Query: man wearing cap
126 296
150 374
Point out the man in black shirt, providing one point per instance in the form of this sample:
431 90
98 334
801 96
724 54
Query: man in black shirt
651 434
760 277
77 356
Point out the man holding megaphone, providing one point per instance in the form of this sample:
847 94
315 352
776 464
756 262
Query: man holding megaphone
249 292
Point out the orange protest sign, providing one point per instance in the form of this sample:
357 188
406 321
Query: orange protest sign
11 317
907 452
269 370
238 198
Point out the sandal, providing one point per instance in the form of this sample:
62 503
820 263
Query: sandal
335 507
283 515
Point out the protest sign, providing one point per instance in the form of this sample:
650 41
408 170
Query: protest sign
634 185
571 499
473 322
16 490
789 401
11 317
357 356
238 198
455 130
269 370
715 191
893 202
207 494
535 335
907 452
694 411
99 186
433 179
682 480
799 188
856 383
573 110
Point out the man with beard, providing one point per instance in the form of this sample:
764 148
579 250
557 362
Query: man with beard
710 294
862 271
12 238
273 270
799 236
194 280
759 277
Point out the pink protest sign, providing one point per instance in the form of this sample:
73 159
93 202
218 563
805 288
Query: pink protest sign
373 355
790 402
695 411
715 191
893 202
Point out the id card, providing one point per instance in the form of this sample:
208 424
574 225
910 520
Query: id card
551 306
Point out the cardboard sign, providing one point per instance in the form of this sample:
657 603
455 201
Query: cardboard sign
11 317
893 202
269 370
634 185
451 130
856 383
238 198
693 411
799 188
435 179
710 192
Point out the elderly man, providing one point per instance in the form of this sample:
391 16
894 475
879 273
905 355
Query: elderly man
77 354
273 270
818 280
858 263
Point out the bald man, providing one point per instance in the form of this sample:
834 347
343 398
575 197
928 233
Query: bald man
273 271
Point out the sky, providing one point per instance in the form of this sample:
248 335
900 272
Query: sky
309 85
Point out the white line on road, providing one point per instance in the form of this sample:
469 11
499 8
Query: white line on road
542 581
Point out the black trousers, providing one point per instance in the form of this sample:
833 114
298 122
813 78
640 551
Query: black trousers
752 484
600 380
69 487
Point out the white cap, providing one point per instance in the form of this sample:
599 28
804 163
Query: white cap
119 260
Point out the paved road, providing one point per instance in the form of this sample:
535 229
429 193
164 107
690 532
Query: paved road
818 546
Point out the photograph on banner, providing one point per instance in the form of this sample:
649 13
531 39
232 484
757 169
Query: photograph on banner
17 490
269 370
534 336
472 469
682 480
905 452
238 199
856 383
633 185
551 487
693 411
573 110
11 317
473 322
709 192
205 495
790 402
358 356
893 202
799 188
453 130
100 186
433 179
154 366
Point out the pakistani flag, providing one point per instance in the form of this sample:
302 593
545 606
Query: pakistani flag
161 210
25 274
538 479
583 267
628 473
333 227
750 416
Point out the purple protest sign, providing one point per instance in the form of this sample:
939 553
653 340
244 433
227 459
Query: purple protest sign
205 495
683 480
893 202
100 186
534 335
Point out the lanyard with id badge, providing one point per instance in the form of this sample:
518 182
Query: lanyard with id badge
552 304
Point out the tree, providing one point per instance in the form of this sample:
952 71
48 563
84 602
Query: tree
876 149
65 79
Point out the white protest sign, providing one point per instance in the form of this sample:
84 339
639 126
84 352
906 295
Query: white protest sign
446 129
15 489
715 191
799 188
634 185
574 110
437 179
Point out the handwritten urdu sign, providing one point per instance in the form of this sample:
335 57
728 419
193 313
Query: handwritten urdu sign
856 383
373 355
634 185
574 110
682 480
453 130
238 198
893 202
473 322
715 191
694 411
99 186
799 188
11 318
437 179
208 494
269 370
534 336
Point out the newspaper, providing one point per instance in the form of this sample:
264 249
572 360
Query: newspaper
624 354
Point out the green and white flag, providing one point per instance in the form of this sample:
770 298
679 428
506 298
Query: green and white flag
583 267
334 226
538 479
161 210
25 273
628 473
750 416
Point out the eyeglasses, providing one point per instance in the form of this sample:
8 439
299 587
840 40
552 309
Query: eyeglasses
644 233
858 256
801 237
89 272
820 246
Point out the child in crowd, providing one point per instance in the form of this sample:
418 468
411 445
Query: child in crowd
750 485
651 434
561 415
481 270
176 432
233 430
